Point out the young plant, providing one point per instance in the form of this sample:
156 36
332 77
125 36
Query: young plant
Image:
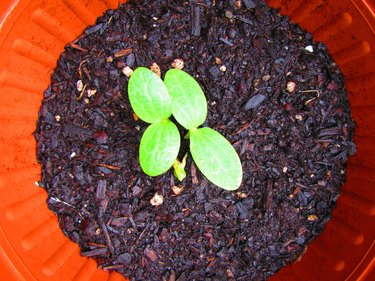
180 95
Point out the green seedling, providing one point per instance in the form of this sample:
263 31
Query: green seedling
180 95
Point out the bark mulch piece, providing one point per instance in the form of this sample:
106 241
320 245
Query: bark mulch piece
272 90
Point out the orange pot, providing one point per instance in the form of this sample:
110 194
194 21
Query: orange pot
33 34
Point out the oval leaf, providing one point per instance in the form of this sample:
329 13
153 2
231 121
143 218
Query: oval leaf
189 105
159 147
216 158
148 96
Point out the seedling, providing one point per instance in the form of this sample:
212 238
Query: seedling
154 101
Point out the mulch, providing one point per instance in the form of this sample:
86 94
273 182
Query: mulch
272 91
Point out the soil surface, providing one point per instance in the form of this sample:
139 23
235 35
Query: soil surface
271 90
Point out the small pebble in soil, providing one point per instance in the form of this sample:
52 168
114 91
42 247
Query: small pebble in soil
223 68
228 14
266 77
127 71
238 4
178 64
157 200
309 48
156 69
290 86
90 93
79 85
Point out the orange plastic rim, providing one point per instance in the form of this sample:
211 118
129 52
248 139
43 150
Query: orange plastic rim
33 34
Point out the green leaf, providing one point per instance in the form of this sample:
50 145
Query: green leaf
148 96
216 158
159 147
189 105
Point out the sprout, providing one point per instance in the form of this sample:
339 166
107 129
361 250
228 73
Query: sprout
180 95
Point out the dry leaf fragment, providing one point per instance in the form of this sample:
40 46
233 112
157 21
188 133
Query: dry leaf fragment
177 190
312 217
123 52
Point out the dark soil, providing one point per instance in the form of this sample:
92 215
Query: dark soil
293 145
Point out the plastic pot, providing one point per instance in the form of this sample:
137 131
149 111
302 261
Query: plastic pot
33 34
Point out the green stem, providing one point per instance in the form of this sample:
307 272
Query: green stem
179 168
